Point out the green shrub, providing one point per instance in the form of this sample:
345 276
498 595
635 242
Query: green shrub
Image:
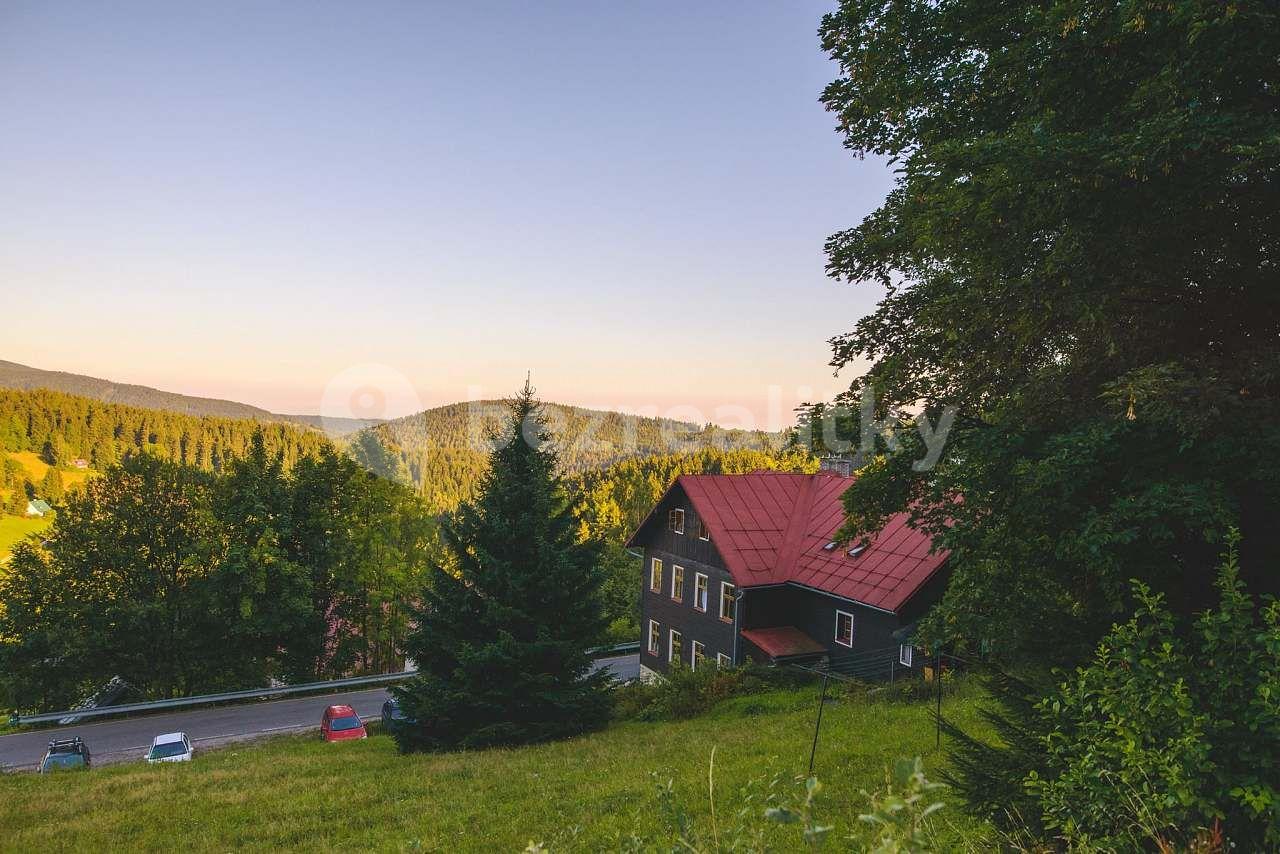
1170 735
912 688
685 693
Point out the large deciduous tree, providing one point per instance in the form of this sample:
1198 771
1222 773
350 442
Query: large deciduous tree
1080 255
502 635
183 582
120 588
263 596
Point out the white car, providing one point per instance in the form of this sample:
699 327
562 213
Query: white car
170 747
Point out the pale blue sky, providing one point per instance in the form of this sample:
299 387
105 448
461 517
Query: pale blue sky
248 199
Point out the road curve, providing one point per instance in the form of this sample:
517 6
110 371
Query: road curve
129 738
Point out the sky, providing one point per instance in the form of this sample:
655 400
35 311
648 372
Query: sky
372 208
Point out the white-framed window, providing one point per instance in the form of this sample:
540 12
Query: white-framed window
700 585
655 637
704 533
675 520
655 575
723 660
905 653
675 649
677 583
728 604
844 628
699 655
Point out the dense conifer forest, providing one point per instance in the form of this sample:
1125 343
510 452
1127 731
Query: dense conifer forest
62 427
26 378
444 450
612 502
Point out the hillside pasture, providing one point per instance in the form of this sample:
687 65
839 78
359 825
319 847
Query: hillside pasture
591 793
13 530
36 469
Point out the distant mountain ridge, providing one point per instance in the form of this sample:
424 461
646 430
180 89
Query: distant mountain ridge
442 450
26 378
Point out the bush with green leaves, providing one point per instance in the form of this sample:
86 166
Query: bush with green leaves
1165 736
685 692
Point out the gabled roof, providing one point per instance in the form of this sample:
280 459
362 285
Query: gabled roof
772 528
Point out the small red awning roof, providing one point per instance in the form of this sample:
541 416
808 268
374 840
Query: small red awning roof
783 641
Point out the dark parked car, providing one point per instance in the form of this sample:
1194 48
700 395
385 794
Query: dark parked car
392 714
63 754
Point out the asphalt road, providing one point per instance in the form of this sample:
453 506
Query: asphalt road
129 738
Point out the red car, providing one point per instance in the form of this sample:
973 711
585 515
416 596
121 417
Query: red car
341 723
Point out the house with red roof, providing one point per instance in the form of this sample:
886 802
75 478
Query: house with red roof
746 567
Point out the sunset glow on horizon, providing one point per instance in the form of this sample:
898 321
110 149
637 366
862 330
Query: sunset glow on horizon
250 202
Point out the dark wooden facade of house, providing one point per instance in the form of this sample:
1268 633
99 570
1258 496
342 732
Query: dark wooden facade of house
682 611
762 601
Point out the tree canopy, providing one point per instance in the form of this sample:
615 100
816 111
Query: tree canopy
181 581
1078 255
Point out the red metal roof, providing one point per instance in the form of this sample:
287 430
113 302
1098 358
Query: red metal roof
782 641
771 527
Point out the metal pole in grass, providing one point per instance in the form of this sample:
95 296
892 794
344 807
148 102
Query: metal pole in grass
826 677
937 678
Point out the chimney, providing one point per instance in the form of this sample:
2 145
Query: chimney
837 464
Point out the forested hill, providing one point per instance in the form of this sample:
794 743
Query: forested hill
612 502
442 450
62 427
15 376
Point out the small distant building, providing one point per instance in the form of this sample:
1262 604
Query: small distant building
38 507
80 463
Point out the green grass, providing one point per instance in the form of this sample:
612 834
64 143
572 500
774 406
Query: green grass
36 469
13 529
583 794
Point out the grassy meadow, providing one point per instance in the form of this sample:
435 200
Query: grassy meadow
586 794
12 528
37 468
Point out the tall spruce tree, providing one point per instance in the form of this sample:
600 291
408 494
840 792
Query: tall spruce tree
52 487
503 630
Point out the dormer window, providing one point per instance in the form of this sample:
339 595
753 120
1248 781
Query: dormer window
675 520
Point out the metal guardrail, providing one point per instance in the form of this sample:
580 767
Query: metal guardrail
208 699
256 693
617 649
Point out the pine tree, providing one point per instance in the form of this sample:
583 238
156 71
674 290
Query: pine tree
17 504
988 776
503 630
51 486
